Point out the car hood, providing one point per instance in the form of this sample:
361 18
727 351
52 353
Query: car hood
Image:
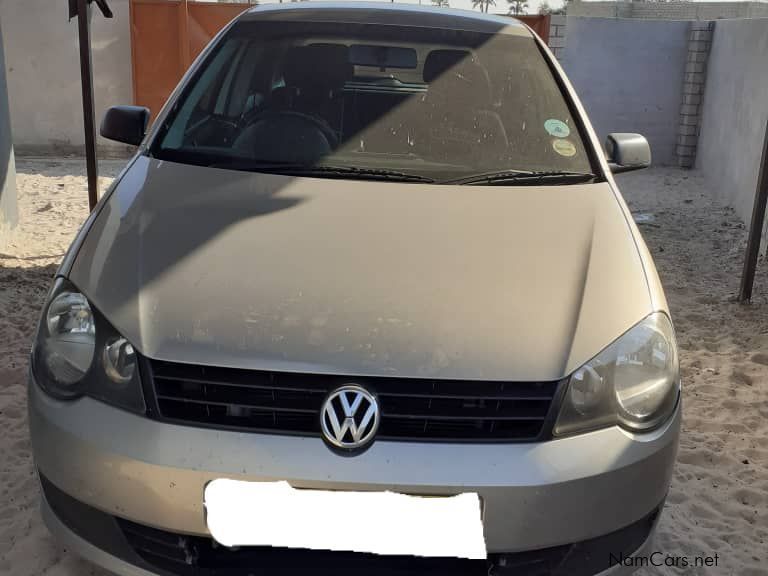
249 270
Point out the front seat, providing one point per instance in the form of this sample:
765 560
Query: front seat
314 78
301 122
460 120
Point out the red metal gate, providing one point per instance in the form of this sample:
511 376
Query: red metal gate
539 23
167 35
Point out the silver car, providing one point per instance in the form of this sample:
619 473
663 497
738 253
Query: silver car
363 247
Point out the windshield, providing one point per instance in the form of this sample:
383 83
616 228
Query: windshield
432 105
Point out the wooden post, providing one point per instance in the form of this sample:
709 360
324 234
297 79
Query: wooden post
756 226
86 80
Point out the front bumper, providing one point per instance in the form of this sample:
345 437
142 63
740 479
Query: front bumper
130 549
535 495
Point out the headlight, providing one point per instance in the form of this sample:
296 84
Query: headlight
634 382
77 352
66 342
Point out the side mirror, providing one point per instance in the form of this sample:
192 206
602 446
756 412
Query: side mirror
627 152
126 124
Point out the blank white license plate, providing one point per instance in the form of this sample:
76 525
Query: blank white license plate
275 514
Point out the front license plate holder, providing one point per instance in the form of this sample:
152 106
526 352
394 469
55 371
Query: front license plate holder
240 513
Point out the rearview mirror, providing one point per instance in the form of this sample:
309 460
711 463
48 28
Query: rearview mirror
626 151
126 124
382 56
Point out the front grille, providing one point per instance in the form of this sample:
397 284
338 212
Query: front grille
411 409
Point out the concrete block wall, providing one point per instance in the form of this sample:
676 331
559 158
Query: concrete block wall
699 40
628 74
599 9
734 113
557 27
8 206
700 86
674 10
43 73
659 11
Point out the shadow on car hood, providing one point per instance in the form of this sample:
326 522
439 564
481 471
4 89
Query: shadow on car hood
250 270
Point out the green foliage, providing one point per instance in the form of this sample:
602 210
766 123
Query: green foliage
517 6
483 4
546 8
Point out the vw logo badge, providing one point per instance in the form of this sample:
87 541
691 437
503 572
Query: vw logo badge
349 417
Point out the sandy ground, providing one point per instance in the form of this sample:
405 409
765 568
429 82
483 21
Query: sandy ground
718 503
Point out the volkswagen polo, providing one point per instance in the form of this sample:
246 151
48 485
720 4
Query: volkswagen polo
363 249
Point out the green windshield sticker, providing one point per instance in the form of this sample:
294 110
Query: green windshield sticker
564 148
557 128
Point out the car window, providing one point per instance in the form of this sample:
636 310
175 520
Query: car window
443 104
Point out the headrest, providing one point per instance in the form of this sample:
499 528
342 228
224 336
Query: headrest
326 65
440 61
466 77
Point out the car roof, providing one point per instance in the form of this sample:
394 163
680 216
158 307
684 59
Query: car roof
387 13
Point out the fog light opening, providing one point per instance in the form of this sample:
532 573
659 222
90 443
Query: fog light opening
119 361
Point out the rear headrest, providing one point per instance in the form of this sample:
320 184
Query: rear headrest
440 61
326 65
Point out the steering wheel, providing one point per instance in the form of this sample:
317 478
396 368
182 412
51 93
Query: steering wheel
291 120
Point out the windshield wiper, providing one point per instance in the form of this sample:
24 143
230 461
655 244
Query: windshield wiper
523 178
323 171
